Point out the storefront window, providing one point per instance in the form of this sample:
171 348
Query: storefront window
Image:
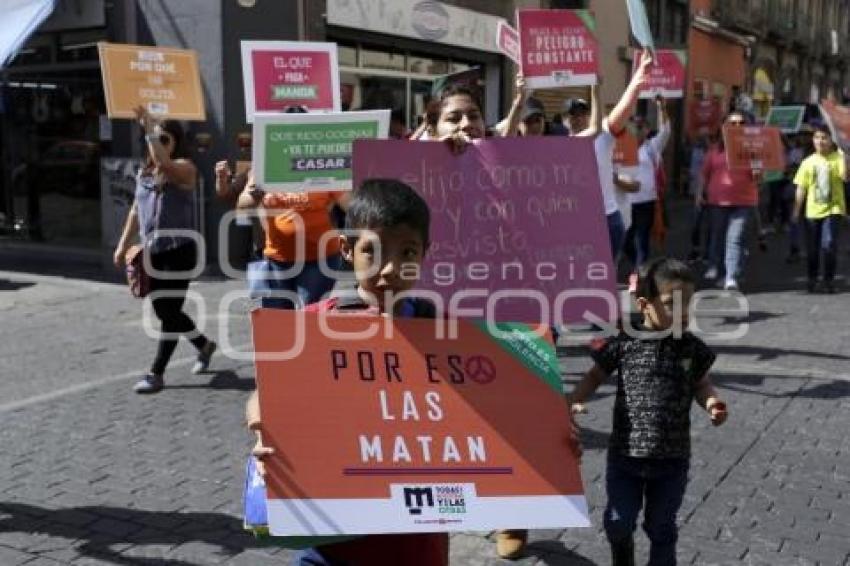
373 78
51 139
55 148
458 67
347 55
426 65
382 59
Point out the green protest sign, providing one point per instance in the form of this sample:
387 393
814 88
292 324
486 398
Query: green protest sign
786 118
311 152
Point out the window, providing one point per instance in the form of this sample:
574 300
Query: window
375 59
375 77
347 55
426 65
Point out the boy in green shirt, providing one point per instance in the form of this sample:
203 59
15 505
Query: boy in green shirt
820 184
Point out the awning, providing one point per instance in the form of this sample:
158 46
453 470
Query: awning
20 19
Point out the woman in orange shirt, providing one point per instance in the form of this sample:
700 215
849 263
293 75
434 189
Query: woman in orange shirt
301 252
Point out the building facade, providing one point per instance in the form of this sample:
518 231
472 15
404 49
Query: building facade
778 51
64 178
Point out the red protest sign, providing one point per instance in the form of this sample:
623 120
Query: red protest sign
838 119
754 147
279 74
507 39
704 117
666 75
383 425
558 48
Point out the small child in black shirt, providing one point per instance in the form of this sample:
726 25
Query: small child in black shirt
659 374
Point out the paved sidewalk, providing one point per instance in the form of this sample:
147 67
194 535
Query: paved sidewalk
91 473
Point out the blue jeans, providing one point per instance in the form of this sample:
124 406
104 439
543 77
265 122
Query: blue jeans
728 226
310 284
616 233
822 236
662 482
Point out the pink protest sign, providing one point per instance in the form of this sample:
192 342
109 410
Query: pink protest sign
508 41
518 230
558 47
280 74
666 75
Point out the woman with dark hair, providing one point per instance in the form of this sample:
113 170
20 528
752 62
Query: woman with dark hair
460 119
731 196
163 207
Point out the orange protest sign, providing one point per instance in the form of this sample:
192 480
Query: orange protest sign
166 81
396 429
754 147
626 150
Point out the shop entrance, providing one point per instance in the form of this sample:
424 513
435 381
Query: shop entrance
52 141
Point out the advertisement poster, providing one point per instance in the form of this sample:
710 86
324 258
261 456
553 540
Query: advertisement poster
406 432
558 48
517 224
787 118
311 152
754 147
838 119
280 74
166 81
666 75
508 39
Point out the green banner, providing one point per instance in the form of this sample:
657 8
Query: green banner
786 118
299 92
535 352
296 153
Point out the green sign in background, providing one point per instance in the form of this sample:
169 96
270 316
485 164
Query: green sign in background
311 141
786 118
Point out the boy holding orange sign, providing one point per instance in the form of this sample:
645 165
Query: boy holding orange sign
395 222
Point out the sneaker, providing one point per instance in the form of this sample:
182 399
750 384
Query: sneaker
510 544
149 384
730 285
204 357
711 274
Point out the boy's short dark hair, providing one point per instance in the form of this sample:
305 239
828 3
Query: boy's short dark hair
822 128
386 203
660 271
